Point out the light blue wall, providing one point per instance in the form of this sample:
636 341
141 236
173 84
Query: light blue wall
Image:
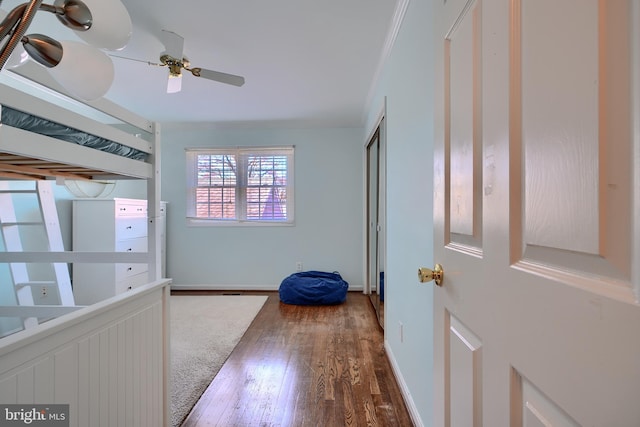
328 230
406 82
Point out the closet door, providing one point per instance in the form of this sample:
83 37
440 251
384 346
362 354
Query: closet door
374 273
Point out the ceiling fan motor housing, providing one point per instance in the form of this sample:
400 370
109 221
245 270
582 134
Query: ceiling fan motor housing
175 65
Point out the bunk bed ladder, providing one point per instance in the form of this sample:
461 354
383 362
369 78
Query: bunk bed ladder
10 227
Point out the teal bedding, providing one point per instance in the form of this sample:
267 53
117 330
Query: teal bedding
21 120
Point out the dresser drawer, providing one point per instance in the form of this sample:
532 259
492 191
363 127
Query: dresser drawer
130 208
132 245
129 228
132 282
124 271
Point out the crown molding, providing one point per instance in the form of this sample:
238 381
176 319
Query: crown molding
392 35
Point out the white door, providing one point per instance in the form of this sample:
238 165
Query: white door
537 213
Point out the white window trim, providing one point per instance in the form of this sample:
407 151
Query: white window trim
191 165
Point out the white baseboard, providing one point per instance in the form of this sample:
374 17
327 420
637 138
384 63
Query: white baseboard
213 287
406 394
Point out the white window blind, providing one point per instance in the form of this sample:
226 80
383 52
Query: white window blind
240 185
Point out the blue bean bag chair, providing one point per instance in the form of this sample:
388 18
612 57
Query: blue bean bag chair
313 288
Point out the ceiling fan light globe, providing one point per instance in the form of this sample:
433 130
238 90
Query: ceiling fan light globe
84 71
111 25
174 84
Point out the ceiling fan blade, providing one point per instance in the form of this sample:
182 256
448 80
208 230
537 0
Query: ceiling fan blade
173 44
174 84
230 79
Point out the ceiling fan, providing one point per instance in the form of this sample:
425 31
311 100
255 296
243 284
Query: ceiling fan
173 58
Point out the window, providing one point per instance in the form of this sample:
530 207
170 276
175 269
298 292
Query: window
240 185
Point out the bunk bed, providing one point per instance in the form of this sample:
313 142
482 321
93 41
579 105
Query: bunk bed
107 361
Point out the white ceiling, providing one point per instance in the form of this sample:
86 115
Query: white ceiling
306 62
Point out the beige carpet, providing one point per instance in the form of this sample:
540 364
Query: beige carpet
204 331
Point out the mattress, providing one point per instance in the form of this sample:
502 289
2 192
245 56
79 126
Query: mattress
28 122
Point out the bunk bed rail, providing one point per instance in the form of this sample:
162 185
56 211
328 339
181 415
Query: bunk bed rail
107 361
44 138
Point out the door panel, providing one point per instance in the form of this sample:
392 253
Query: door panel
464 156
574 140
535 409
559 121
464 376
537 213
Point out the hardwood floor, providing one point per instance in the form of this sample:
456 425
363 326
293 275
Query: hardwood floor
298 366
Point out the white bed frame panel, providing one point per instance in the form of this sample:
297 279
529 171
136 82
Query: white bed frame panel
21 142
109 361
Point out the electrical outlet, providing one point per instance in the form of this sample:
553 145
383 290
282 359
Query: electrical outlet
401 332
299 266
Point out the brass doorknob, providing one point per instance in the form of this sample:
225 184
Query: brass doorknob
426 274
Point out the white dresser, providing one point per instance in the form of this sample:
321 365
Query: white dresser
108 225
